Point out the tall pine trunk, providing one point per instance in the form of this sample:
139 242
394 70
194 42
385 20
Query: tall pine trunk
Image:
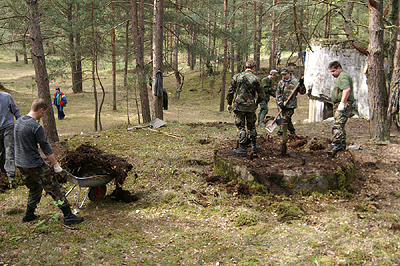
225 66
272 58
377 94
39 62
113 61
138 42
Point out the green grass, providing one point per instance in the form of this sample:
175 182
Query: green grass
179 219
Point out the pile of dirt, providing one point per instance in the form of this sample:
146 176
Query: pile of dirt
87 161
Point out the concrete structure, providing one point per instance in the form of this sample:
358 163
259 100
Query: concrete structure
319 80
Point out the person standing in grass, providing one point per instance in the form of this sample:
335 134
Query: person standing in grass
36 174
60 101
8 110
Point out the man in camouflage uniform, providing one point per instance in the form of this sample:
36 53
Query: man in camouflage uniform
246 85
267 84
36 174
344 104
283 91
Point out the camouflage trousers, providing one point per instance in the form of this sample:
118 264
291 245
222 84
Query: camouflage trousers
287 114
263 112
39 178
243 120
338 130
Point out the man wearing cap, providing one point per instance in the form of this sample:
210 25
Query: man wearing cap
246 86
283 91
265 94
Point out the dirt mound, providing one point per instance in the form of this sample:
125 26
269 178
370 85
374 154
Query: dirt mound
87 160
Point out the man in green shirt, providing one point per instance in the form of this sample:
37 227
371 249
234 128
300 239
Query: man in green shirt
344 101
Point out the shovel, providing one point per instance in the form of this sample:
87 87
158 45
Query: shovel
272 124
358 147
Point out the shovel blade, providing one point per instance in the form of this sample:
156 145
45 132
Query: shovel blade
270 126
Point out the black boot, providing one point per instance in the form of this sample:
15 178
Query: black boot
242 151
69 217
254 147
336 147
29 215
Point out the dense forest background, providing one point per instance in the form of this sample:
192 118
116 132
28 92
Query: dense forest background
138 38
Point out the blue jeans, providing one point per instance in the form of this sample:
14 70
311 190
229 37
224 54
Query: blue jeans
60 111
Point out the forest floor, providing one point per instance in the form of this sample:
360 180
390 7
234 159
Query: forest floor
182 213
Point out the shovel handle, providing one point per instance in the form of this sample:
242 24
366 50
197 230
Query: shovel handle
288 99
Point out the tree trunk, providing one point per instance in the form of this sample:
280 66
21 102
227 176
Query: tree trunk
24 47
39 62
272 58
126 70
232 59
78 56
377 94
255 43
113 61
138 41
94 60
158 23
72 59
222 99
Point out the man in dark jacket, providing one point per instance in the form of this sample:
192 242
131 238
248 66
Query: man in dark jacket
284 90
267 85
246 86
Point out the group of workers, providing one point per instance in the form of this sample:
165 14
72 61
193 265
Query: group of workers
247 91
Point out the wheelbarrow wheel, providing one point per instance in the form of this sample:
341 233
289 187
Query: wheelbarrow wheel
97 193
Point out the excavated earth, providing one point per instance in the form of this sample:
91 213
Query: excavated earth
307 166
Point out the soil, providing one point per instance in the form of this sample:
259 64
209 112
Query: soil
307 151
87 161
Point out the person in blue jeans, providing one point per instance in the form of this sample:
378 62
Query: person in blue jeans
60 101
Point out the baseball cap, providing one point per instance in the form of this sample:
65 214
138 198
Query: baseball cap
285 70
273 72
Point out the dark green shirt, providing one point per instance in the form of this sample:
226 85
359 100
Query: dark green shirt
342 82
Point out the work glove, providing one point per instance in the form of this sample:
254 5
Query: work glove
301 81
281 105
341 107
229 108
57 168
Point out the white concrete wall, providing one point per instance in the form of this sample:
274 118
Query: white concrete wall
318 77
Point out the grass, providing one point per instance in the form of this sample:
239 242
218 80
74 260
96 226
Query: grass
180 219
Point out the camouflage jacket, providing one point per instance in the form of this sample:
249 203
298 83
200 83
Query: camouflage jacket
267 90
245 85
285 88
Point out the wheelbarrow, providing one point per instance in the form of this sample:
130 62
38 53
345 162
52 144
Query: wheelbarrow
96 184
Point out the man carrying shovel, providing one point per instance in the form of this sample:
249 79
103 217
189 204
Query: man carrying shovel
286 98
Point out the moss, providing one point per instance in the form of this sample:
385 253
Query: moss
245 219
289 210
168 197
345 177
